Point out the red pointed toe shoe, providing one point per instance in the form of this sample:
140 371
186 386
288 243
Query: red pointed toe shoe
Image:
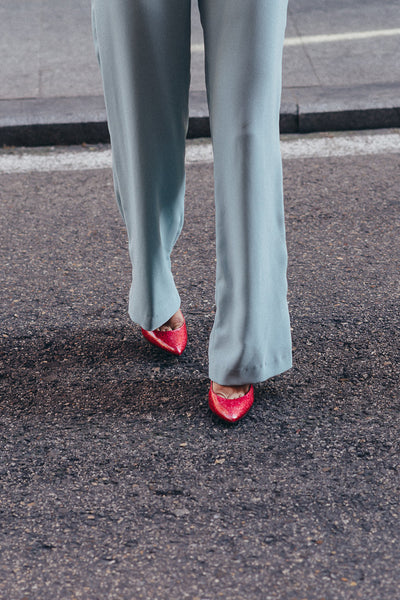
230 409
173 341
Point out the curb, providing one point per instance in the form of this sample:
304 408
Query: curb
82 119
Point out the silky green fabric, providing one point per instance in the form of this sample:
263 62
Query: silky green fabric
143 49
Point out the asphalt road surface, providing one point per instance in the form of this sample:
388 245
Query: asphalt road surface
116 481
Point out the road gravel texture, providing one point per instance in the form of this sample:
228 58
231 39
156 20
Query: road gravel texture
117 482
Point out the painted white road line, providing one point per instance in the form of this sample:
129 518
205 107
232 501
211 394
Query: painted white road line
196 153
351 145
340 37
55 161
301 147
197 48
326 38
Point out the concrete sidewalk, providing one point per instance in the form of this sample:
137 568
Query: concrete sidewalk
340 71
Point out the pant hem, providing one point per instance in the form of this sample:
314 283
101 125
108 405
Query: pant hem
250 375
151 322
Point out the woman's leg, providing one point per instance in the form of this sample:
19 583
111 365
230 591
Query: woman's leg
143 49
250 340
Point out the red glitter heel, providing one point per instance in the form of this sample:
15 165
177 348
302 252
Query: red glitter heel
230 409
172 341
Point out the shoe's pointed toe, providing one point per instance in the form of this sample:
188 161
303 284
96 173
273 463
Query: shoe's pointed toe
230 409
172 341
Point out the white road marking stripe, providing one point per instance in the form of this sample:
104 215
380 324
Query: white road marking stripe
351 145
339 37
301 147
197 48
326 38
55 161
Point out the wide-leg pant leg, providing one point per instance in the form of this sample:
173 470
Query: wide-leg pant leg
143 49
250 340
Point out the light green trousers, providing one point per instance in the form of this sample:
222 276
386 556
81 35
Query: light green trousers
143 49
